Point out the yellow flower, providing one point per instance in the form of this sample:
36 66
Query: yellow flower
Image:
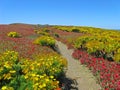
37 75
44 75
25 70
32 67
4 88
40 86
36 78
54 79
51 77
38 64
26 76
47 80
1 69
57 82
41 76
44 85
7 76
12 71
7 65
33 75
36 84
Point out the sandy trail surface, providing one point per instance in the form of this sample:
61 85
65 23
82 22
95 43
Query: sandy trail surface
76 71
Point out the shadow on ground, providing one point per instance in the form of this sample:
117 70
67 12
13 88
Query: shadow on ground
68 83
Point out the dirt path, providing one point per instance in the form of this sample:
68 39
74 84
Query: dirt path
83 76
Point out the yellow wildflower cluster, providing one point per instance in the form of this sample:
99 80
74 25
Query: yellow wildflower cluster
108 44
38 74
43 82
117 55
45 41
7 62
44 70
13 34
42 31
97 41
7 88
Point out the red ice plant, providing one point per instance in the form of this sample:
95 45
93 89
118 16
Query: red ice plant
23 45
107 73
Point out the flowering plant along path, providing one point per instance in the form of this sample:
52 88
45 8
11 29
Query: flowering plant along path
77 72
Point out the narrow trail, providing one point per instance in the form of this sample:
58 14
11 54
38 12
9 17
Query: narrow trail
76 71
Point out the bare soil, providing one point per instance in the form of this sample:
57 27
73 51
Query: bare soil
81 76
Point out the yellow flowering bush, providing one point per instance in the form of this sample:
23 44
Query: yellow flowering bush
93 46
10 71
42 73
117 55
78 43
7 62
42 82
42 31
45 41
7 88
13 34
99 45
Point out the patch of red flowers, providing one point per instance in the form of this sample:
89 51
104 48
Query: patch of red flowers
107 73
24 45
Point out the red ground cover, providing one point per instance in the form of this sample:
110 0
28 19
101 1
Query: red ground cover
107 73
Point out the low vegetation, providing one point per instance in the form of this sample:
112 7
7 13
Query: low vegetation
13 34
45 41
29 62
21 73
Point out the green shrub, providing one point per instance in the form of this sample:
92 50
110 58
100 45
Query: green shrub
76 30
46 30
56 35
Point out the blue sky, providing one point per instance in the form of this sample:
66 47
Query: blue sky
97 13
